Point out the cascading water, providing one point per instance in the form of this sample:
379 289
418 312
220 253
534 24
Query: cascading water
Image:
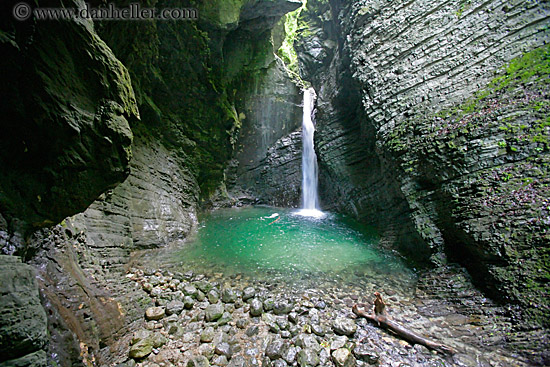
310 198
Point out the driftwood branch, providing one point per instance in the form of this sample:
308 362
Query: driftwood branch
384 322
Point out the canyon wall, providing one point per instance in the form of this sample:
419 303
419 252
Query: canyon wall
77 141
432 124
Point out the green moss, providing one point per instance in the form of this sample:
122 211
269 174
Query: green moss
533 67
286 51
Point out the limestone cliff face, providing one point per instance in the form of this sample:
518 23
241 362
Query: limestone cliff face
268 154
67 103
440 130
70 144
67 110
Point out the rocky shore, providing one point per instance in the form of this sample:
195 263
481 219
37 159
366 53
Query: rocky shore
203 320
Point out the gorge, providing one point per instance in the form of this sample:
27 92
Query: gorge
120 137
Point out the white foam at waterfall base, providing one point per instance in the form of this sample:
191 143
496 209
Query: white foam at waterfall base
310 198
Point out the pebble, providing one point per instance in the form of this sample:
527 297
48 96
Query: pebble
214 312
248 293
207 335
174 307
198 361
213 296
256 307
274 349
154 313
343 358
229 295
308 358
344 326
223 349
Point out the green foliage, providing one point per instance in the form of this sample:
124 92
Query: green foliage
286 51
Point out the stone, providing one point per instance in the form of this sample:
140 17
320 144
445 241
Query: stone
237 361
289 355
268 304
281 307
256 307
213 296
223 349
344 326
271 322
214 312
293 317
220 361
275 349
206 350
248 293
338 342
200 296
207 335
308 358
283 323
190 290
188 302
198 361
174 307
147 287
318 330
324 357
204 286
242 323
141 349
363 353
343 358
140 335
307 341
280 363
154 313
158 340
23 323
253 330
229 295
226 317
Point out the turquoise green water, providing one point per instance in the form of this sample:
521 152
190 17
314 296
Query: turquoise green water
263 241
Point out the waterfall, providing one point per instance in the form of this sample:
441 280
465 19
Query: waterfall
310 198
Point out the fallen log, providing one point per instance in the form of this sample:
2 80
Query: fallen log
383 321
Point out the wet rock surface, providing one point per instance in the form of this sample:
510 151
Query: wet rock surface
269 338
23 323
436 140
